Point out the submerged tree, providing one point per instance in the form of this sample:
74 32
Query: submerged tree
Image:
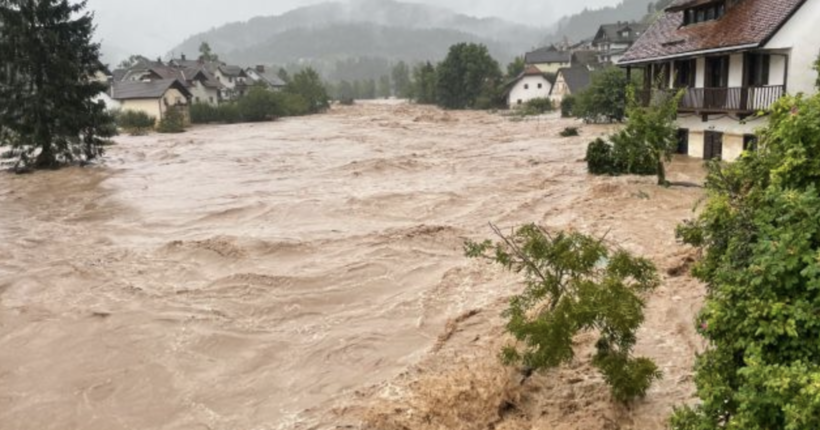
573 284
424 84
465 76
402 83
206 54
48 117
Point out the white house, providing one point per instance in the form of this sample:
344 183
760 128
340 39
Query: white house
530 84
733 58
155 98
234 81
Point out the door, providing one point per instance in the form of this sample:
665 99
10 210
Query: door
712 145
716 82
683 141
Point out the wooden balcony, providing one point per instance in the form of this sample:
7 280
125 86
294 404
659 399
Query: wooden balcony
741 100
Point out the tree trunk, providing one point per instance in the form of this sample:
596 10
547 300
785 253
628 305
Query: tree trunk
662 173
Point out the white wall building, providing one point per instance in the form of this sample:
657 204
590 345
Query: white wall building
531 84
734 59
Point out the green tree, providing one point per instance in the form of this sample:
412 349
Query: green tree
516 67
605 98
468 73
369 89
173 122
206 54
385 89
260 104
759 233
402 83
574 283
308 85
424 84
47 84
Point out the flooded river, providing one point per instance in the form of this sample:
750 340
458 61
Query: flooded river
257 276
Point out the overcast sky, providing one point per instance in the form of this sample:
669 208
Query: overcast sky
153 27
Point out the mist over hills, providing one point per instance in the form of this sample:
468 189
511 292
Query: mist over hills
384 28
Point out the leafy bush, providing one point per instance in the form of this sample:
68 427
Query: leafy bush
135 123
568 106
569 132
647 141
260 105
605 100
760 237
573 284
600 160
204 113
173 122
468 78
539 106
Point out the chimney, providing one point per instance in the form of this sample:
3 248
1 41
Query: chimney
260 69
183 57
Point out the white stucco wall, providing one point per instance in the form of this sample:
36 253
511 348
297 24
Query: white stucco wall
527 89
203 94
801 36
777 70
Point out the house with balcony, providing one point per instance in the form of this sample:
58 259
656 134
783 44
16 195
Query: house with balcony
733 59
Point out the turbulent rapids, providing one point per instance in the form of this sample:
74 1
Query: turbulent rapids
302 273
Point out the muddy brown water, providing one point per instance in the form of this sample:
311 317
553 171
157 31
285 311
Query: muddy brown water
254 276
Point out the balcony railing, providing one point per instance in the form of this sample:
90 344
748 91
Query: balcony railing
738 99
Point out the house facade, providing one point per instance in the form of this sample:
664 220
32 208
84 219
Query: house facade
548 59
732 59
262 75
613 40
570 81
155 98
530 84
234 81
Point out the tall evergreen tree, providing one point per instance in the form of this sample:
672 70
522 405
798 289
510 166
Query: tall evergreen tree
206 54
48 117
401 80
467 74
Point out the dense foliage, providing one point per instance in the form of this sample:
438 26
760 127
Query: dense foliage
48 62
308 85
568 106
402 82
760 236
574 283
605 98
135 123
516 67
468 78
570 132
172 122
644 145
424 84
260 104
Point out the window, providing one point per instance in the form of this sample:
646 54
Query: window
196 99
683 141
526 86
211 99
520 101
685 74
709 12
757 70
540 86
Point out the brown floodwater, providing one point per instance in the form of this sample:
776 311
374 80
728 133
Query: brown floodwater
255 276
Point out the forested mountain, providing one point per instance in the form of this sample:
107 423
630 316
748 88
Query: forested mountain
585 24
376 28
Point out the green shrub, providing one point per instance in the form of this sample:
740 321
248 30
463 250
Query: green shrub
204 113
293 104
570 132
308 85
135 123
759 234
260 104
540 105
574 283
228 113
568 106
173 122
600 160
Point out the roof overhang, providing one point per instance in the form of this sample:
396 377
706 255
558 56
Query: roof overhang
702 52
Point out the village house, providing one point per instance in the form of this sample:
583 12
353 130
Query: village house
262 75
234 81
530 84
548 59
155 98
570 81
613 40
733 59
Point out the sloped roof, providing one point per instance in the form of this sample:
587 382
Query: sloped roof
613 32
231 70
547 55
748 24
131 90
577 78
271 78
585 58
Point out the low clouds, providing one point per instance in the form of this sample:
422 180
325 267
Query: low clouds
152 27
